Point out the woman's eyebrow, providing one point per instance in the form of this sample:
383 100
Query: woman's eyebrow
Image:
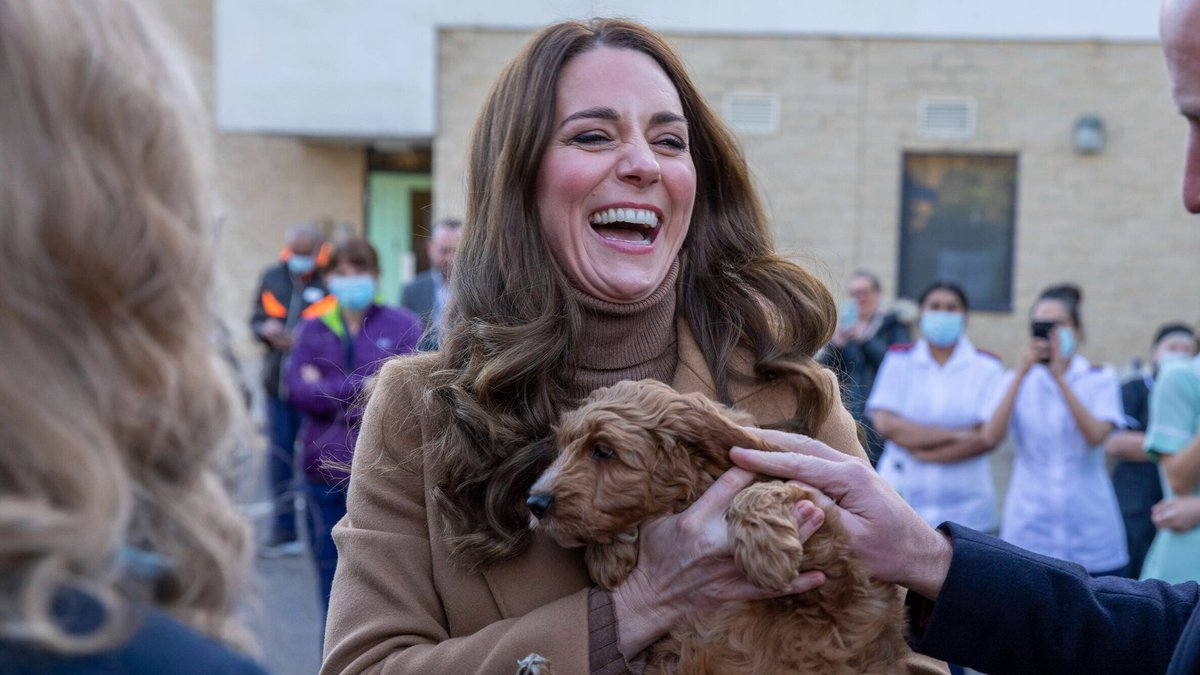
610 114
597 113
667 118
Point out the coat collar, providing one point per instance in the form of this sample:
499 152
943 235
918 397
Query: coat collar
963 350
767 402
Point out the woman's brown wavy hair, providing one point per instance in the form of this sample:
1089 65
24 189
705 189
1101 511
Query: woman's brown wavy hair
114 408
512 328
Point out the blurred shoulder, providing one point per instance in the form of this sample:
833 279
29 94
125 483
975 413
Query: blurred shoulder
160 644
405 377
989 356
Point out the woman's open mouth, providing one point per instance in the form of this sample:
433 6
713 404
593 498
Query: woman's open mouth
632 226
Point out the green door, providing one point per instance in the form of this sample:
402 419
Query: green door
397 211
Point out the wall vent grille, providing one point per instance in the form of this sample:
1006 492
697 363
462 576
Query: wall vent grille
751 113
946 117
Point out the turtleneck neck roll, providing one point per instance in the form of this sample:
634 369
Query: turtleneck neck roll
625 341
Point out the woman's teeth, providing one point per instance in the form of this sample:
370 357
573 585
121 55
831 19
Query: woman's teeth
642 217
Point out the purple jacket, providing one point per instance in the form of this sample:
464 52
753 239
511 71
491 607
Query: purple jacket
331 409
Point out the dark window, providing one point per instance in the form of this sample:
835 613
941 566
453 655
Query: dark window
957 218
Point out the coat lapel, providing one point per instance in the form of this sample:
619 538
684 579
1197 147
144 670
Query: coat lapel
768 403
544 574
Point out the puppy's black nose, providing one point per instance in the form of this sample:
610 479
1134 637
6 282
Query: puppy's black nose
539 504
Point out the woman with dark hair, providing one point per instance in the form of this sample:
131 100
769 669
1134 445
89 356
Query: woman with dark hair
930 401
334 359
1059 409
612 234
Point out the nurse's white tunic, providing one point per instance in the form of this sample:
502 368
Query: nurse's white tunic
1061 502
956 395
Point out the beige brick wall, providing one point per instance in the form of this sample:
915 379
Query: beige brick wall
263 183
831 177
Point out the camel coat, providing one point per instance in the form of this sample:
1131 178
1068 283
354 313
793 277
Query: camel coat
400 606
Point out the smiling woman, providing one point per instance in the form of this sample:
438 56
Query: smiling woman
612 234
617 182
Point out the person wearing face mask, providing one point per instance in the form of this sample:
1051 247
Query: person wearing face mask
1059 409
289 291
930 401
334 360
1173 440
1135 477
992 606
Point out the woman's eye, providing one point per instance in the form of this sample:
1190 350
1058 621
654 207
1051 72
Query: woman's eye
674 143
590 138
601 451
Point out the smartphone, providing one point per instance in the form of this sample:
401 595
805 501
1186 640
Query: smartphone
1041 329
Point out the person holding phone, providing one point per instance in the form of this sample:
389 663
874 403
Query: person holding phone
1059 409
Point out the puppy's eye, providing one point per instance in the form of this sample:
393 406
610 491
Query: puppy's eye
601 451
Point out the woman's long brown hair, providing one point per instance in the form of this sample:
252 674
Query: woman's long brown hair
512 328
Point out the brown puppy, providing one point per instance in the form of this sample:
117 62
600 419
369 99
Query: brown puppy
637 450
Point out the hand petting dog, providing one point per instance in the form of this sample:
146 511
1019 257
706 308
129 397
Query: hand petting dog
723 575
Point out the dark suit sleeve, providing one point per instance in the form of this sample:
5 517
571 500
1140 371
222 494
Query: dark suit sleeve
417 296
1135 399
1006 610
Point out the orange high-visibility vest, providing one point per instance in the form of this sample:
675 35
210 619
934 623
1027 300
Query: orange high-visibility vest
272 306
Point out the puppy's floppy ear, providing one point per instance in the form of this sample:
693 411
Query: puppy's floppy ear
708 429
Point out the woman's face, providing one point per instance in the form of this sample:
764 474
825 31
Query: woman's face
942 300
1054 311
865 295
616 184
346 268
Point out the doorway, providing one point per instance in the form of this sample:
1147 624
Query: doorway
398 207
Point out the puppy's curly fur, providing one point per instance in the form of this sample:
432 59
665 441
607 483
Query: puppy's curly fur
637 450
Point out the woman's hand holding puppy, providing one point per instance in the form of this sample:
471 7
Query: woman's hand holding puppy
685 566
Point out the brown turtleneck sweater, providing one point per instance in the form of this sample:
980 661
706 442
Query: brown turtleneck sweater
617 342
633 341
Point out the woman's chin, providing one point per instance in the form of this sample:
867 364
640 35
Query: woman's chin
624 290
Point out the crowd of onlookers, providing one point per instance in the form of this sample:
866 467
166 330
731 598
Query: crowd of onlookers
319 312
120 550
1102 470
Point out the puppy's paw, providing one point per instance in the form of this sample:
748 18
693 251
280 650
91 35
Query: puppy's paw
534 664
762 532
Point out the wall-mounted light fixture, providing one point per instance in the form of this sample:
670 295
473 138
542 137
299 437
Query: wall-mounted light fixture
1089 135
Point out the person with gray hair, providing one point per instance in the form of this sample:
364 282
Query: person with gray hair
986 604
429 292
290 290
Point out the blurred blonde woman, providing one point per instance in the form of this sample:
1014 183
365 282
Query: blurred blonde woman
119 548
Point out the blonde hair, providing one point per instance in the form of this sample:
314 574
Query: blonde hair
114 409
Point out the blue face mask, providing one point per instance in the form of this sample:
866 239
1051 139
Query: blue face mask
301 264
1172 360
942 329
1066 341
354 293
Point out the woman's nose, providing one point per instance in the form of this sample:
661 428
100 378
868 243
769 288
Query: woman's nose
639 164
